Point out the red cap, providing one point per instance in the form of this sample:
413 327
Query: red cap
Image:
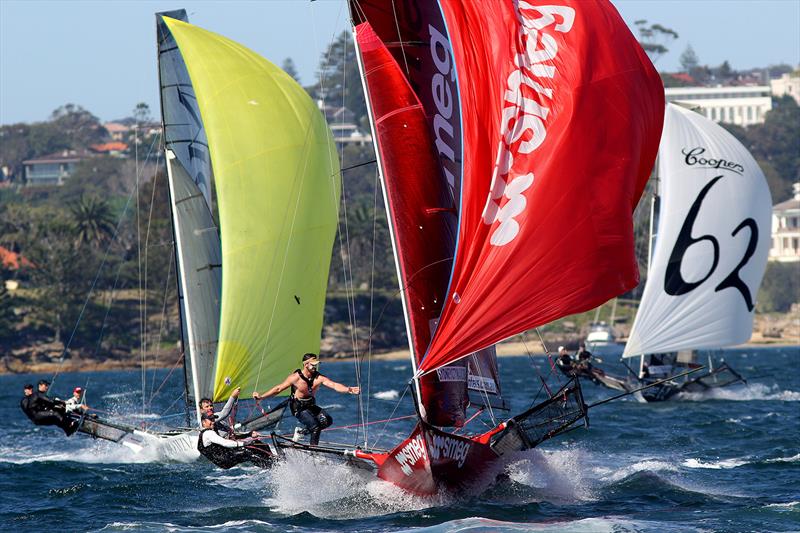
77 389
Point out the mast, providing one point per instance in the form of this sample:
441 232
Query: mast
197 242
654 211
390 223
178 276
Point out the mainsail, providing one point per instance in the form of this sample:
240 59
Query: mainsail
712 244
277 181
557 151
196 234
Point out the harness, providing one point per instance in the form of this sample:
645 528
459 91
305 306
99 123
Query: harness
299 404
219 455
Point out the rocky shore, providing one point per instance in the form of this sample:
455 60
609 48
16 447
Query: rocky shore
769 329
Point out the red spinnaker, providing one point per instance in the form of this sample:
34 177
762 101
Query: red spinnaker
561 112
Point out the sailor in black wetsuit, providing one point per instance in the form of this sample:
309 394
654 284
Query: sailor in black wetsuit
44 411
304 383
227 453
564 362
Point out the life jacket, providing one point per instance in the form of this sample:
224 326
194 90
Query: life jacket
219 455
298 404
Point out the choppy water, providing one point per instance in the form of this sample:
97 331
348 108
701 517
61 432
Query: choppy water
725 462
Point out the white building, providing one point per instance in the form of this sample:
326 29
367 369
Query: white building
786 229
789 84
734 105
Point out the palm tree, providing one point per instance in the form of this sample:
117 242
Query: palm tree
92 220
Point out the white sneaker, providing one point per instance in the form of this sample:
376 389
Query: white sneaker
298 433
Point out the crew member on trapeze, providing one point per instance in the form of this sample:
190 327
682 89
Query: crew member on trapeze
44 411
304 383
227 453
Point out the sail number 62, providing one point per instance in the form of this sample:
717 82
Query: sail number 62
676 285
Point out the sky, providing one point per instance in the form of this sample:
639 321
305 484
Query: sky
101 54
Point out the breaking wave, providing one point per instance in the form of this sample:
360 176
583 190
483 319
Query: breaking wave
387 395
588 525
755 391
715 465
559 475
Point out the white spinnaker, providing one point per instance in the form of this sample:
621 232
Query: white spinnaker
712 244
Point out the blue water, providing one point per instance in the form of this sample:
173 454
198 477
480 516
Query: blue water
726 462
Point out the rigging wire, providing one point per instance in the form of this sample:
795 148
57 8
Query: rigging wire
94 282
371 298
99 344
399 36
344 242
146 249
391 416
161 325
139 261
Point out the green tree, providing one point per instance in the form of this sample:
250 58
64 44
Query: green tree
689 60
780 287
93 221
104 177
289 68
8 317
78 126
725 71
777 141
61 272
654 38
339 82
141 113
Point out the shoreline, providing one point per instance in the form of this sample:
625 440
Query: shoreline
504 349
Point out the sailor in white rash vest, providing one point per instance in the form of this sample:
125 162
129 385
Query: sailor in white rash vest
207 407
226 453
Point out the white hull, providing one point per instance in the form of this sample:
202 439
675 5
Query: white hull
181 447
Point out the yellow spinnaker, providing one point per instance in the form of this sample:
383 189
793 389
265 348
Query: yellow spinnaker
277 180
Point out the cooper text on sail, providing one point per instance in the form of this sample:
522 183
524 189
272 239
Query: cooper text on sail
692 158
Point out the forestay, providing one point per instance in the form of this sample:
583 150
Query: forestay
712 244
277 181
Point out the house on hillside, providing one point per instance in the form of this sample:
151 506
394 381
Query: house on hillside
786 229
789 84
342 123
116 148
741 105
117 130
52 169
12 261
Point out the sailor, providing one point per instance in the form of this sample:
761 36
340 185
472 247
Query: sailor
75 404
564 361
26 403
583 354
44 411
304 383
207 406
226 453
